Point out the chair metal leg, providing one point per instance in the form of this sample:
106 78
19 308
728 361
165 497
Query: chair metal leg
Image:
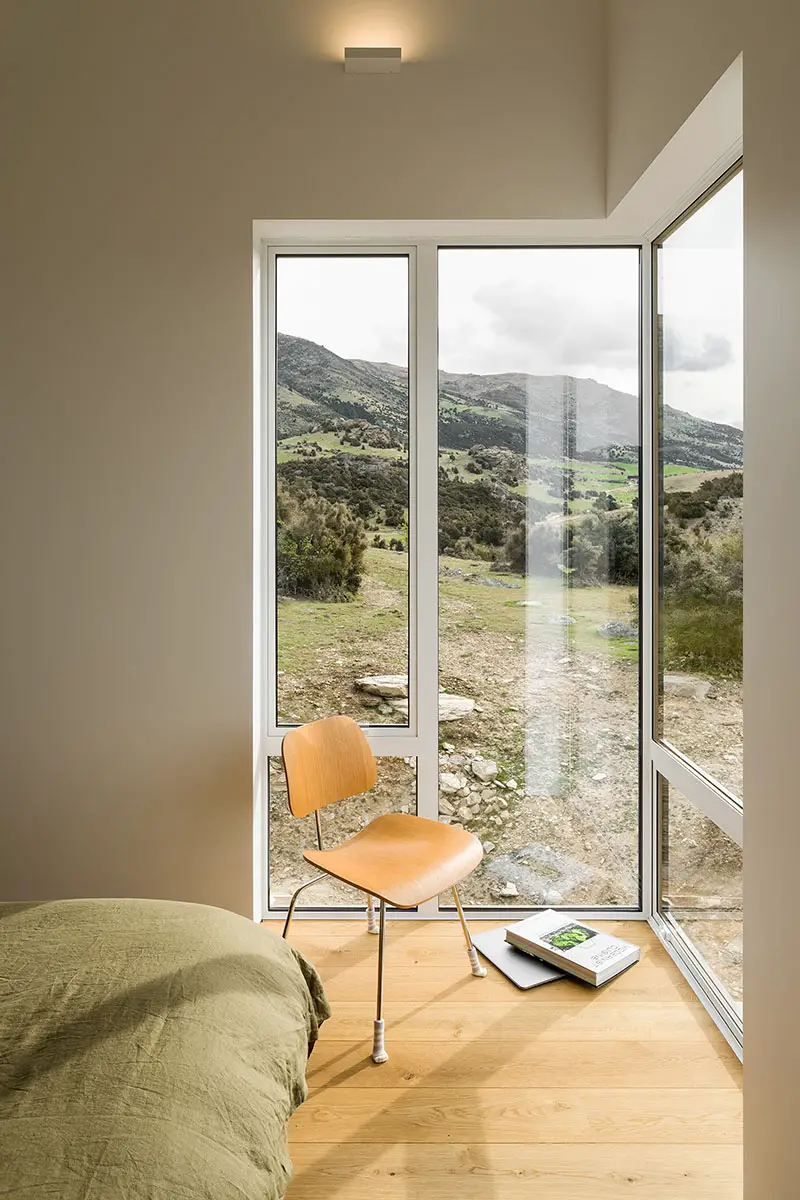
293 901
372 922
379 1054
472 953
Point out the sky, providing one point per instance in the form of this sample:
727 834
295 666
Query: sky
546 311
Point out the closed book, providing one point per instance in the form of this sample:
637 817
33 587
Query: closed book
574 947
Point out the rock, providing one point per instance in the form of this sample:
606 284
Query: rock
384 685
488 847
552 897
560 619
687 686
599 777
512 785
464 814
484 769
508 891
618 630
451 708
445 806
448 747
448 782
454 708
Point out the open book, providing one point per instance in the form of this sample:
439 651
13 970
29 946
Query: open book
576 948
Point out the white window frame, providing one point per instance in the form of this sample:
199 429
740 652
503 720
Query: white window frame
420 739
663 760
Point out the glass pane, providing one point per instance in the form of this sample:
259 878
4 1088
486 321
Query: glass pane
395 791
700 296
701 886
539 570
342 429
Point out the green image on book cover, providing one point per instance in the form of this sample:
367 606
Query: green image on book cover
569 936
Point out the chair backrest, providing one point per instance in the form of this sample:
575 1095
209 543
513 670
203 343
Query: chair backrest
326 761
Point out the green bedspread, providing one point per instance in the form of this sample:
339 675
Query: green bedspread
148 1049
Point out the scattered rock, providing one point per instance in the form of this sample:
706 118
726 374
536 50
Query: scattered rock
451 708
553 897
599 777
448 782
488 847
484 769
448 747
512 785
560 619
688 686
508 891
390 686
464 814
618 630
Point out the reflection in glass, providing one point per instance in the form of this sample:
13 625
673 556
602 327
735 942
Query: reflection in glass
701 886
700 381
395 791
539 570
342 430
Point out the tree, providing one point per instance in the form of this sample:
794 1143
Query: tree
320 547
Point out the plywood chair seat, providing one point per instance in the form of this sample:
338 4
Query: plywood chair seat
401 859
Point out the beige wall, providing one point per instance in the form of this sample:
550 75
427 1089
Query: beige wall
772 586
662 60
663 57
140 139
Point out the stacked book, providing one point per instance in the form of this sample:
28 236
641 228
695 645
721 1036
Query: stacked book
553 945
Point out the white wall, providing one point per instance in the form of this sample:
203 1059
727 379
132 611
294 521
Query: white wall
140 140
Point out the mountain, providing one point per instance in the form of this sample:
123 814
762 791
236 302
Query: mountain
547 416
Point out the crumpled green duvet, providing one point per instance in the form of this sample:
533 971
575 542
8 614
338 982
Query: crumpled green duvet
149 1049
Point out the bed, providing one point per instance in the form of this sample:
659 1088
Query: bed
149 1049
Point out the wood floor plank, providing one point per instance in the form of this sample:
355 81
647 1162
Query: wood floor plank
527 1063
457 1022
563 1093
643 984
635 931
498 1172
521 1115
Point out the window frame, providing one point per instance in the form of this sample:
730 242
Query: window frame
664 761
421 738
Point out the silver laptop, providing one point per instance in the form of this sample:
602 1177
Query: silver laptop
522 969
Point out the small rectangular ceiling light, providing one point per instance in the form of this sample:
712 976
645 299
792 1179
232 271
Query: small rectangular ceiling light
372 60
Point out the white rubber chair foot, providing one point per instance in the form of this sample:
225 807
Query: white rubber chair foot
372 921
477 969
379 1054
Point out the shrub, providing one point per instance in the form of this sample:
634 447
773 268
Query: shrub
320 547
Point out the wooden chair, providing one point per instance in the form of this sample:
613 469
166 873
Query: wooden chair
401 859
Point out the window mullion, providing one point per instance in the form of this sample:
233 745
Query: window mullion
427 550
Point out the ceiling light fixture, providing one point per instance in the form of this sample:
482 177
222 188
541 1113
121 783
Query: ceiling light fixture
372 60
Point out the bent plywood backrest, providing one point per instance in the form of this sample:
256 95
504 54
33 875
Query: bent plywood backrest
326 761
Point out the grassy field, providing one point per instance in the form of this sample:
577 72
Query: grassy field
369 634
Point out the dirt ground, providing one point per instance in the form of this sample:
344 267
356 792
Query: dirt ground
556 708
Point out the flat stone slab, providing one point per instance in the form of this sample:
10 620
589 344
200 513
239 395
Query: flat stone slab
451 708
688 686
389 686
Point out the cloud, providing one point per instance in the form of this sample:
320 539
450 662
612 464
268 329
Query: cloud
567 332
715 352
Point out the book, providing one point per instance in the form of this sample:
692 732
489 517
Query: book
572 946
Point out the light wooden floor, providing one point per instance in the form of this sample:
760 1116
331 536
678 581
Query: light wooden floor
561 1093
